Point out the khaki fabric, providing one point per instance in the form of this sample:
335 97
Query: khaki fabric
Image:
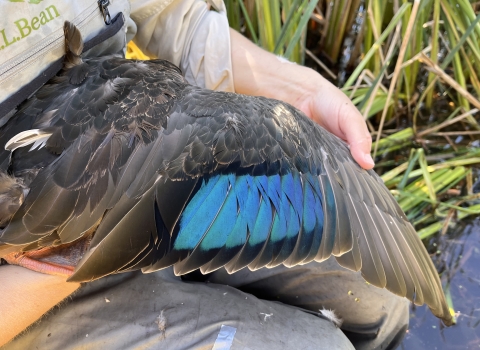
187 34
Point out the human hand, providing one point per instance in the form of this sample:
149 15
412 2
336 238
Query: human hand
260 73
332 109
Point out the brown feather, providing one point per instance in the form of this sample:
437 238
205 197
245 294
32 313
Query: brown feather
11 197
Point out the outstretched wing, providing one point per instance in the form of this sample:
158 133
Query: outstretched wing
176 175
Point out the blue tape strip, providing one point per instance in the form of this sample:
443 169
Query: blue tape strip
224 338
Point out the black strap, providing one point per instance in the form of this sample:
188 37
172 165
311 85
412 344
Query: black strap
13 101
115 25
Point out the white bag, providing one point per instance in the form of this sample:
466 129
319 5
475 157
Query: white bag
31 35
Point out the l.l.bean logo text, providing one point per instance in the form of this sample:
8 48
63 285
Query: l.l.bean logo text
29 1
24 26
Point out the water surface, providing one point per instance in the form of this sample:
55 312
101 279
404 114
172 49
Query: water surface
458 260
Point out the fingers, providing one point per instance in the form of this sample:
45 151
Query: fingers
321 101
361 151
355 131
332 109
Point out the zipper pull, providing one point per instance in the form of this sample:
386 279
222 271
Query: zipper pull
103 5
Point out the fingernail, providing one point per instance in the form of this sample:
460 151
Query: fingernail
368 159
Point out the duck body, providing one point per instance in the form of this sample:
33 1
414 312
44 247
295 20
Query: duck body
152 172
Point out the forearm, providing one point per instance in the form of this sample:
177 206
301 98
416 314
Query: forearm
260 73
27 295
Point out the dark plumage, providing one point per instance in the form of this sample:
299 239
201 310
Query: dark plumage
165 173
12 194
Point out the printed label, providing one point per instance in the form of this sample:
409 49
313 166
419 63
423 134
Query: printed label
25 26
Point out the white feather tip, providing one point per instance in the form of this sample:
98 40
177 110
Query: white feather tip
332 316
36 136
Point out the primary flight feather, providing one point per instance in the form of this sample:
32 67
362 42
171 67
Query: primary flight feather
143 171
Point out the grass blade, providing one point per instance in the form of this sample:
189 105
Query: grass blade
391 26
301 27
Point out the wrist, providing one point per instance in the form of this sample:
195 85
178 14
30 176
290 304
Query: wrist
295 85
257 72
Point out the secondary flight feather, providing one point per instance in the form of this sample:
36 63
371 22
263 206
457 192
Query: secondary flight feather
140 170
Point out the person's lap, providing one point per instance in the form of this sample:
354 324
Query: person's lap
159 310
372 317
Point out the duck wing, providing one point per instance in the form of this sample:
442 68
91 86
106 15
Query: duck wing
170 174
